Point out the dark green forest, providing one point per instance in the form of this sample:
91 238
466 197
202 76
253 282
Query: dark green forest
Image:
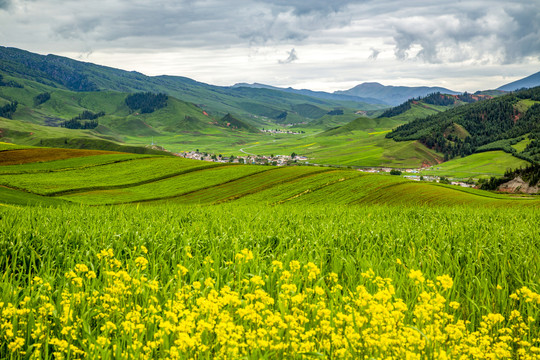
146 102
80 121
494 124
8 109
41 98
530 174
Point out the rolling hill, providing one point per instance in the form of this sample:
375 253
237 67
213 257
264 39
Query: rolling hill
57 176
495 124
316 94
64 73
393 95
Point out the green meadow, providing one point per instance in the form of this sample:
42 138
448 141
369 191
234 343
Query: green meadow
116 255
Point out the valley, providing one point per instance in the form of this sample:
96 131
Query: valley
146 217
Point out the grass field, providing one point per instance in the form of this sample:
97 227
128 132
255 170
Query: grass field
338 282
239 261
95 178
489 163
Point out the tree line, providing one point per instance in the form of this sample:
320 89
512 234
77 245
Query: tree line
81 120
10 83
146 102
8 110
529 174
495 120
41 98
436 98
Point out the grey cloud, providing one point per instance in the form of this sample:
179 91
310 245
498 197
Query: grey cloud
292 57
208 23
499 33
4 4
374 54
303 7
490 32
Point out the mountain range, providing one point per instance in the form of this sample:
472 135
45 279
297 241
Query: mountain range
393 95
528 82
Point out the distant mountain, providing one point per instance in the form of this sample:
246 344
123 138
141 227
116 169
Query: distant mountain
256 106
528 82
393 95
315 94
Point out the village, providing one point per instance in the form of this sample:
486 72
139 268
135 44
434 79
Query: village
274 160
279 131
295 159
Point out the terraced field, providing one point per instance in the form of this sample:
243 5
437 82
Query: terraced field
186 183
191 259
95 178
24 156
115 175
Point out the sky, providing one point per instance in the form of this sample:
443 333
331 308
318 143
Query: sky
323 45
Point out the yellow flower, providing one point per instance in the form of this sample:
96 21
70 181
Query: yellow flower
16 344
257 280
445 281
183 270
188 252
417 276
81 268
141 262
209 282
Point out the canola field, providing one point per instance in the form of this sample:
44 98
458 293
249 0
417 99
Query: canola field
229 281
255 262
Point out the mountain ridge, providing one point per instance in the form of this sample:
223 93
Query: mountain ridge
526 82
393 95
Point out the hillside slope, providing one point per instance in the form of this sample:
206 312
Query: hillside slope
495 124
107 178
527 82
65 73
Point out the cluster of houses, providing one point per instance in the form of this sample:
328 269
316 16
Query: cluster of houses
428 178
278 131
284 160
275 160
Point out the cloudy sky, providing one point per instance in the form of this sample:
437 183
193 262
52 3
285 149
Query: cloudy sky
318 44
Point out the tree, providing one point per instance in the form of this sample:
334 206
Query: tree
395 172
293 155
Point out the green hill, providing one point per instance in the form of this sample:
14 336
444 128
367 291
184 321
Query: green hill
112 178
63 73
382 123
231 122
494 124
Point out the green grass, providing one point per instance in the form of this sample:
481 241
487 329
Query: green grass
117 178
121 174
171 187
520 146
478 254
231 191
342 221
10 146
489 163
17 197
